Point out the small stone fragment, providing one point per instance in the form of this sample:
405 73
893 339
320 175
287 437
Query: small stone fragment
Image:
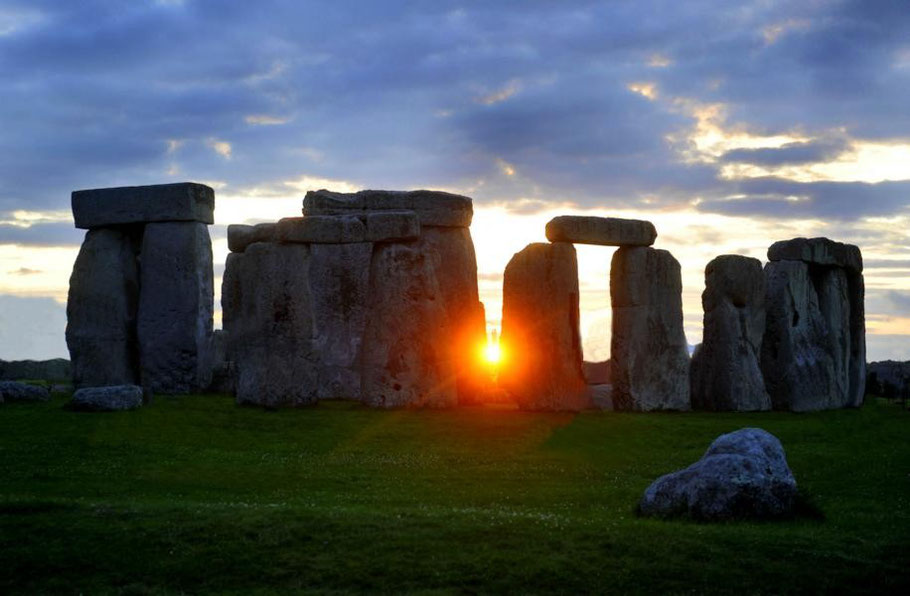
15 391
603 231
107 399
184 201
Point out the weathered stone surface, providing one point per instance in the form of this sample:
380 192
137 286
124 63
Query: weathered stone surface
434 208
889 378
240 236
540 329
598 373
386 226
604 231
174 323
223 374
406 356
648 347
15 391
184 201
101 309
856 289
451 253
818 251
798 357
270 325
726 372
107 399
320 229
339 279
601 395
743 475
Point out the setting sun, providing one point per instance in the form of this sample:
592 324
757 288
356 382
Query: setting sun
492 353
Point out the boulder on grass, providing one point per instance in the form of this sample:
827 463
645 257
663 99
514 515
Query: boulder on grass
107 399
15 391
743 475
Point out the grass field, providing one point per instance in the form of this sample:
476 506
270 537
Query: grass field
194 495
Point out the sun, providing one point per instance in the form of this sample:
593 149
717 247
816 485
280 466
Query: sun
492 353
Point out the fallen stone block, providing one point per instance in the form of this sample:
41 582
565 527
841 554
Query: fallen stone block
184 201
106 399
743 475
603 231
818 251
15 391
240 236
320 229
433 208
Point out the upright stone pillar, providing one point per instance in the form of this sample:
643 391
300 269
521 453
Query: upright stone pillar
813 351
540 329
175 307
649 353
101 309
140 302
726 374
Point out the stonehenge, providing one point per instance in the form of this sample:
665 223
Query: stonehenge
140 304
372 296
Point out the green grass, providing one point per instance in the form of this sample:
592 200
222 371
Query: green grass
194 494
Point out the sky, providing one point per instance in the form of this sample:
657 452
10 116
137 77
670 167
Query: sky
730 125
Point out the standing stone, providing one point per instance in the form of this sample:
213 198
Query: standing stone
726 371
271 324
797 359
455 268
648 348
406 359
857 368
174 323
540 329
818 251
339 280
603 231
433 208
101 309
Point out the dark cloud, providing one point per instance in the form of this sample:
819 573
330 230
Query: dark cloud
403 94
789 153
47 234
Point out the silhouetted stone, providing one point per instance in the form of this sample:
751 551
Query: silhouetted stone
270 331
743 475
726 371
387 226
798 352
433 208
55 369
451 253
240 236
604 231
101 309
15 391
818 251
174 323
857 368
540 329
406 348
106 399
320 229
184 201
648 349
598 373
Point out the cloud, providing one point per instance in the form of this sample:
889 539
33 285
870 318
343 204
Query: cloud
789 153
24 271
47 234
